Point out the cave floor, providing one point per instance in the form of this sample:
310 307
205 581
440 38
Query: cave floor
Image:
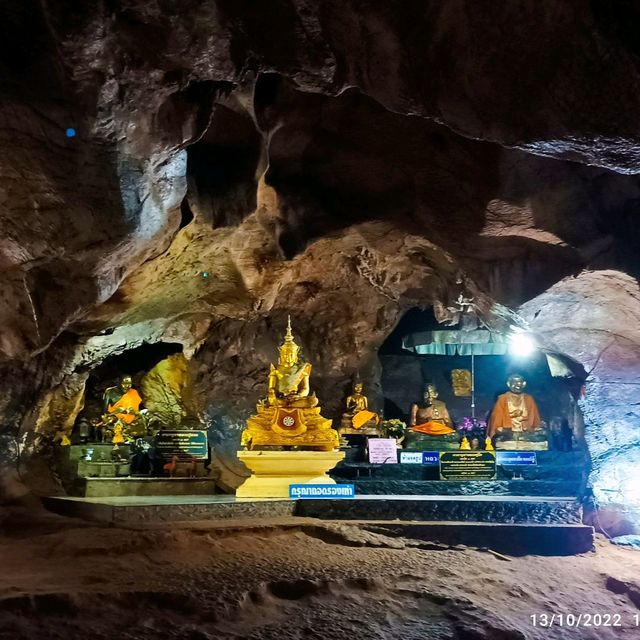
291 578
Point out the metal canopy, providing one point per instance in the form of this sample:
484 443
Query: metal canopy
479 342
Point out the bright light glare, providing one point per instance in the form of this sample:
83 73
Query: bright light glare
521 344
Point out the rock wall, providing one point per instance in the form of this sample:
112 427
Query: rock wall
595 318
234 162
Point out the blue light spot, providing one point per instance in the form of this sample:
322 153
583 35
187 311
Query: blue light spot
71 132
205 274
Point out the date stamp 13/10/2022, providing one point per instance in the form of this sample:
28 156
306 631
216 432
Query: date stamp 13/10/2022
584 620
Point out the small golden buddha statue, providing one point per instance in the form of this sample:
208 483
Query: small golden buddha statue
118 434
289 416
62 439
431 417
357 418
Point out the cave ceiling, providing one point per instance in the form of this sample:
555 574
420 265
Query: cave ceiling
344 162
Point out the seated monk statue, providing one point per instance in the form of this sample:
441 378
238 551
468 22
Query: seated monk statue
357 418
289 416
515 413
431 416
122 404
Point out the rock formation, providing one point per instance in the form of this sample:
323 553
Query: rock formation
232 162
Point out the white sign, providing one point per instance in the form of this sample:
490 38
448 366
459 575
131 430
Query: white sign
411 457
382 450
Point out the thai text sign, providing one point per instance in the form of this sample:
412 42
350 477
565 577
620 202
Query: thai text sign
182 443
382 450
467 465
517 457
420 457
316 491
411 457
430 457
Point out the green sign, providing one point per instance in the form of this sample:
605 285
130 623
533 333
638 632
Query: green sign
182 443
467 465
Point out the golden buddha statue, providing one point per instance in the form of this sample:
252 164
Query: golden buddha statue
357 418
431 417
289 416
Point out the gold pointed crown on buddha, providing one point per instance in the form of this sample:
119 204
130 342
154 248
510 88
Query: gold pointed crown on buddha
289 345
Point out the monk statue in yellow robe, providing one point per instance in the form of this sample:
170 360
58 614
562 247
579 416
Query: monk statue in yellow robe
121 409
431 417
515 415
289 416
358 418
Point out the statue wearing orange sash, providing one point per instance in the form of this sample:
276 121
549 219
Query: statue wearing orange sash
515 411
123 401
122 404
431 418
358 418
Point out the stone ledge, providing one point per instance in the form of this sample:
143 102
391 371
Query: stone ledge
401 487
120 487
496 509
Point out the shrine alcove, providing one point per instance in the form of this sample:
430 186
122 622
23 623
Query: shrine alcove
421 351
158 370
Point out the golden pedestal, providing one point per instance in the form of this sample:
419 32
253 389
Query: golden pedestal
273 471
289 426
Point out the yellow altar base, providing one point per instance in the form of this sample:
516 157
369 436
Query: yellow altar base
289 426
273 471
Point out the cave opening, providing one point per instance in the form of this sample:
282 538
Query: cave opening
186 215
411 360
136 362
222 167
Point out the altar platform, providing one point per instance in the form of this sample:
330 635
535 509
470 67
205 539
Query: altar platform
548 525
556 473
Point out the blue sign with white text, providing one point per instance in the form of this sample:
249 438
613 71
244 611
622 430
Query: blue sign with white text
516 457
430 457
316 491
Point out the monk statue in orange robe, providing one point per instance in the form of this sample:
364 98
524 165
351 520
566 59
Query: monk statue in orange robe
121 407
358 419
431 417
515 413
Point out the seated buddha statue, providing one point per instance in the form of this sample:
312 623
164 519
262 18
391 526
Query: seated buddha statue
289 416
357 418
431 417
515 416
121 411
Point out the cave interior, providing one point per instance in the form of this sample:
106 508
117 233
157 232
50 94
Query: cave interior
189 190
